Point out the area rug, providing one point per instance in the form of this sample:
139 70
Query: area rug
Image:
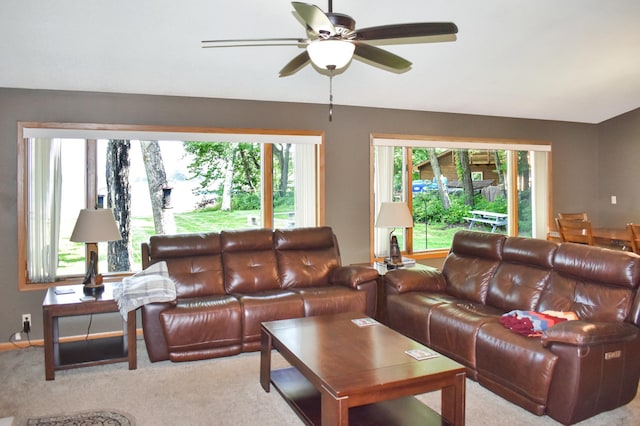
89 418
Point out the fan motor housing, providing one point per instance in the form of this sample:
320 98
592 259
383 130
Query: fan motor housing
345 24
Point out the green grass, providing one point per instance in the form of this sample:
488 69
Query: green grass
439 235
71 258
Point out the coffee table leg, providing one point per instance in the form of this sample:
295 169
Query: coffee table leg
265 360
453 400
335 411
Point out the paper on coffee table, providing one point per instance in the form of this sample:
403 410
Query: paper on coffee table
364 322
421 354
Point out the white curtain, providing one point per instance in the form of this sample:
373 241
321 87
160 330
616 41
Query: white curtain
304 175
540 193
43 226
383 191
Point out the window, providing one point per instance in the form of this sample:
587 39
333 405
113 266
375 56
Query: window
449 183
157 180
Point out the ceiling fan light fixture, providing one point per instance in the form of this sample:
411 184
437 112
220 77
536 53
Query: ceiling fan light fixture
330 53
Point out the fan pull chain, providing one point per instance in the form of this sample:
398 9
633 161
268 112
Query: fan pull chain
331 69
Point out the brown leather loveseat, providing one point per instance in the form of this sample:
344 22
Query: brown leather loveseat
575 369
227 283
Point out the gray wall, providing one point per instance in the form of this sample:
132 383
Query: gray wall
577 167
619 169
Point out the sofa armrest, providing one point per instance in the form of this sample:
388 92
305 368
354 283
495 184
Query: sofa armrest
152 330
579 333
405 280
353 275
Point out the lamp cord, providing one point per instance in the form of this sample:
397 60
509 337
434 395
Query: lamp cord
89 327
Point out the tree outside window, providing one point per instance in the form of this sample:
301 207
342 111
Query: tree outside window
169 186
445 183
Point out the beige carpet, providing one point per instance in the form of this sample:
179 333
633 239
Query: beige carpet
223 391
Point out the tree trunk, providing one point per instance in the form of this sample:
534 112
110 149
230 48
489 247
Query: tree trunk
442 191
465 176
496 159
228 182
283 151
163 219
119 199
245 163
523 169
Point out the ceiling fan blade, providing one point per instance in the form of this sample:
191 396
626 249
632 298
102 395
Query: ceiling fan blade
250 42
295 65
381 57
315 18
423 29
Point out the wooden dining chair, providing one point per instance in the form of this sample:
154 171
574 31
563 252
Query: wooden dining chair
634 233
573 216
575 231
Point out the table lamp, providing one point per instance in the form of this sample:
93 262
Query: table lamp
394 215
94 226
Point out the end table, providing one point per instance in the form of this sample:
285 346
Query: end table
64 301
381 309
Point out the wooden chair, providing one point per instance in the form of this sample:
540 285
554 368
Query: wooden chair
634 233
573 216
555 235
575 231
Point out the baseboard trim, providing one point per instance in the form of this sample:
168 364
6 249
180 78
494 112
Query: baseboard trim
23 344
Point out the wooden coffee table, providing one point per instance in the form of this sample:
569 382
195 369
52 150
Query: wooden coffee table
337 365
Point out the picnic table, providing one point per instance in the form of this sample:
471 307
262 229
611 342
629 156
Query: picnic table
489 218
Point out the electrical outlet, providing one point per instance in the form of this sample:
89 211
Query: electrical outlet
26 323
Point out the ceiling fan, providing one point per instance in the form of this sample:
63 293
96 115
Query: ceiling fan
332 40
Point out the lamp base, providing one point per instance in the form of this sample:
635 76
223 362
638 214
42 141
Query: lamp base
393 263
94 290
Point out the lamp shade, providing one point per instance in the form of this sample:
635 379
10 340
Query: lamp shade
330 53
95 225
394 215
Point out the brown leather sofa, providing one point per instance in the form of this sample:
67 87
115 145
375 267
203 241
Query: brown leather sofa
227 283
576 369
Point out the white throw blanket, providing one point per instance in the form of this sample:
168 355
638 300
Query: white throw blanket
150 285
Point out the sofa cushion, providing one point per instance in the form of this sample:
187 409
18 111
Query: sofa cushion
514 366
453 329
471 263
202 323
522 275
194 262
612 267
306 256
181 245
249 261
595 283
409 313
266 306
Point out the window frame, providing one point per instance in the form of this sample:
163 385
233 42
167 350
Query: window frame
408 142
94 131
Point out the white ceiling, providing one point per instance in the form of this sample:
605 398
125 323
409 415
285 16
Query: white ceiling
570 60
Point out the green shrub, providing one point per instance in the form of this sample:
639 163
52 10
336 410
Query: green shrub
499 205
286 203
458 210
245 201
